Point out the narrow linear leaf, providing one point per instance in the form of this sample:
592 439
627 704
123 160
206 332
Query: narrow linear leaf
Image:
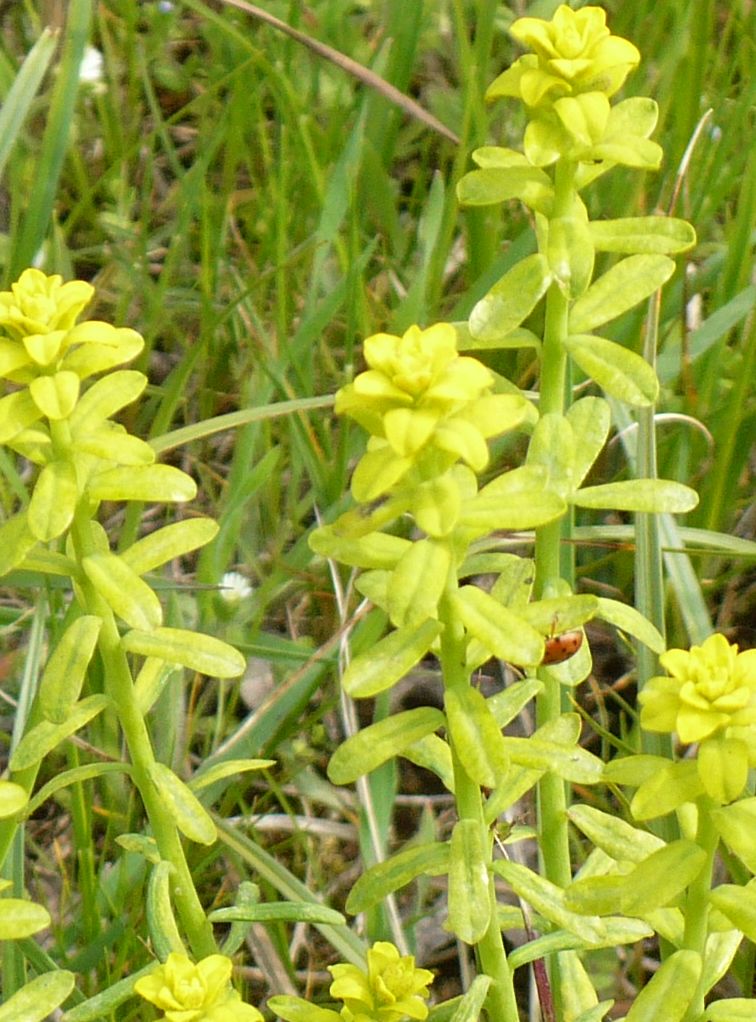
570 762
46 735
279 911
164 932
652 496
620 840
507 704
228 768
417 582
39 998
629 620
373 745
548 899
736 824
168 543
162 483
511 299
471 1005
491 185
374 550
389 660
661 235
619 289
738 904
432 753
469 896
731 1009
198 652
187 812
504 634
77 775
475 736
16 540
13 798
669 992
66 669
20 918
51 508
619 372
293 1009
384 878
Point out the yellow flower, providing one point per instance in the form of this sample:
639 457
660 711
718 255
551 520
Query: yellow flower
38 304
186 992
710 688
425 406
573 53
391 990
709 697
39 337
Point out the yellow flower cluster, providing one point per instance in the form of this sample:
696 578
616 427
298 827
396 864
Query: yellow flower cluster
574 53
44 350
186 992
391 990
425 406
566 83
708 696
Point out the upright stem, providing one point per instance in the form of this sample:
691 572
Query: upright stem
120 688
552 792
501 1003
697 902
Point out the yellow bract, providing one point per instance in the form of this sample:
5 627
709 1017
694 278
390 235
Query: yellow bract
573 53
392 989
425 406
186 992
708 697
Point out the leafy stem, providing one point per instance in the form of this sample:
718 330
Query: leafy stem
120 688
501 1002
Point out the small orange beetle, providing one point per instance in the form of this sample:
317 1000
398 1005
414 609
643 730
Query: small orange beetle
559 648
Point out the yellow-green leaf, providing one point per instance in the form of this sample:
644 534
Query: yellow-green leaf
167 543
417 583
13 798
619 289
619 372
475 736
388 661
45 736
38 998
662 235
370 747
188 813
162 483
469 894
123 590
66 668
51 508
653 496
198 652
56 395
396 872
504 634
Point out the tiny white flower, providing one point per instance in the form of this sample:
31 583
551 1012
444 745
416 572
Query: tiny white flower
91 67
235 587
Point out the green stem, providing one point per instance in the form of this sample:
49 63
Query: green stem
120 688
501 1003
552 791
697 902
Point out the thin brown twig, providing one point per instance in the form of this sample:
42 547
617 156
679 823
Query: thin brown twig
352 67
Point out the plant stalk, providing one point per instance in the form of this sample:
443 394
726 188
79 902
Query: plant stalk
501 1004
120 688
